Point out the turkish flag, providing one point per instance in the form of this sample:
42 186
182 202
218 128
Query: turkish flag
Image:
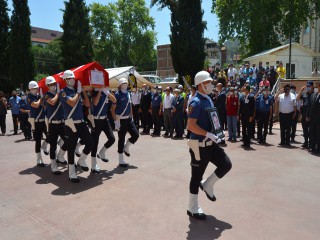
90 75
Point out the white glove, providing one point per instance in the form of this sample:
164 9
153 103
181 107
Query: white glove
79 88
41 93
212 137
105 91
58 88
117 125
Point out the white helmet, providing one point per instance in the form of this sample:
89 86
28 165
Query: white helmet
201 77
33 84
122 81
68 74
50 80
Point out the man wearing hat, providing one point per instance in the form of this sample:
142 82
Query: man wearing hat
203 146
304 96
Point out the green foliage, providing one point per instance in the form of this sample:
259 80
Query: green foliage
47 57
187 40
76 41
21 58
124 34
40 76
4 41
262 24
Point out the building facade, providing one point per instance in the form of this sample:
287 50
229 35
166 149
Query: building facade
42 37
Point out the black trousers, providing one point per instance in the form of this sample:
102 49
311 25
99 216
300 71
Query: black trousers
314 134
223 118
101 125
213 154
127 125
286 120
263 120
15 119
56 130
146 120
178 123
156 119
294 126
135 111
246 131
305 128
238 126
40 128
25 125
71 139
271 120
3 123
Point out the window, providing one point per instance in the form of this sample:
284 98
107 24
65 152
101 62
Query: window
53 35
33 31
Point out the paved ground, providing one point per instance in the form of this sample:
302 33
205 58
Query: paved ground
270 193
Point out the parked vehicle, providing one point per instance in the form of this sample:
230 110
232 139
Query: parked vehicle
172 82
152 78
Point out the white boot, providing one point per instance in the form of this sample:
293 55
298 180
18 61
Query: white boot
54 167
77 149
60 142
94 166
207 186
44 147
72 174
60 157
122 163
82 162
126 148
102 154
39 160
193 209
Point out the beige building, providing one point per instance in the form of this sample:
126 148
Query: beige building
41 36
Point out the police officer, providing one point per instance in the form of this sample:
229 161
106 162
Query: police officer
177 112
146 118
75 127
36 119
304 96
24 115
55 123
100 100
122 114
156 111
263 113
246 114
203 146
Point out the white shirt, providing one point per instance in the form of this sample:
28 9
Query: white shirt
189 100
287 104
135 98
167 101
232 72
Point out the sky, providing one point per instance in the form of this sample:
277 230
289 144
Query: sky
47 14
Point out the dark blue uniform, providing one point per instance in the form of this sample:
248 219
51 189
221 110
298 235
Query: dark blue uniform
210 153
71 138
24 123
247 111
313 113
305 98
263 111
156 101
101 122
55 116
38 114
177 105
123 110
146 118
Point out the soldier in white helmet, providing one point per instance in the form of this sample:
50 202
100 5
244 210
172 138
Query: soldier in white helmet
75 127
55 124
122 115
203 145
36 119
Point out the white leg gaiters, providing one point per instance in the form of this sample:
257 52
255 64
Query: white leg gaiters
60 157
94 166
126 148
122 163
193 209
72 174
39 160
102 154
82 162
54 167
207 186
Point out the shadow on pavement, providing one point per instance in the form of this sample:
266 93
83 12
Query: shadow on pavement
211 228
65 187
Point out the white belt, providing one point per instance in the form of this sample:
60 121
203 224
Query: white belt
205 144
77 121
39 120
99 117
124 117
57 121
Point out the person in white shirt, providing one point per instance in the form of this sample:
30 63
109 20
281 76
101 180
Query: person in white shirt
315 73
287 113
167 115
136 99
232 72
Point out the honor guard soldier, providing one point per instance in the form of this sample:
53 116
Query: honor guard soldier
75 127
55 123
203 145
36 120
122 114
100 99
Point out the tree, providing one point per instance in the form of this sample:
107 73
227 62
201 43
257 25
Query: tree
187 39
21 58
260 24
76 41
4 41
124 33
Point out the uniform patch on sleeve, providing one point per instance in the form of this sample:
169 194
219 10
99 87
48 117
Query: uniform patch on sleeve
29 100
63 94
190 109
46 97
